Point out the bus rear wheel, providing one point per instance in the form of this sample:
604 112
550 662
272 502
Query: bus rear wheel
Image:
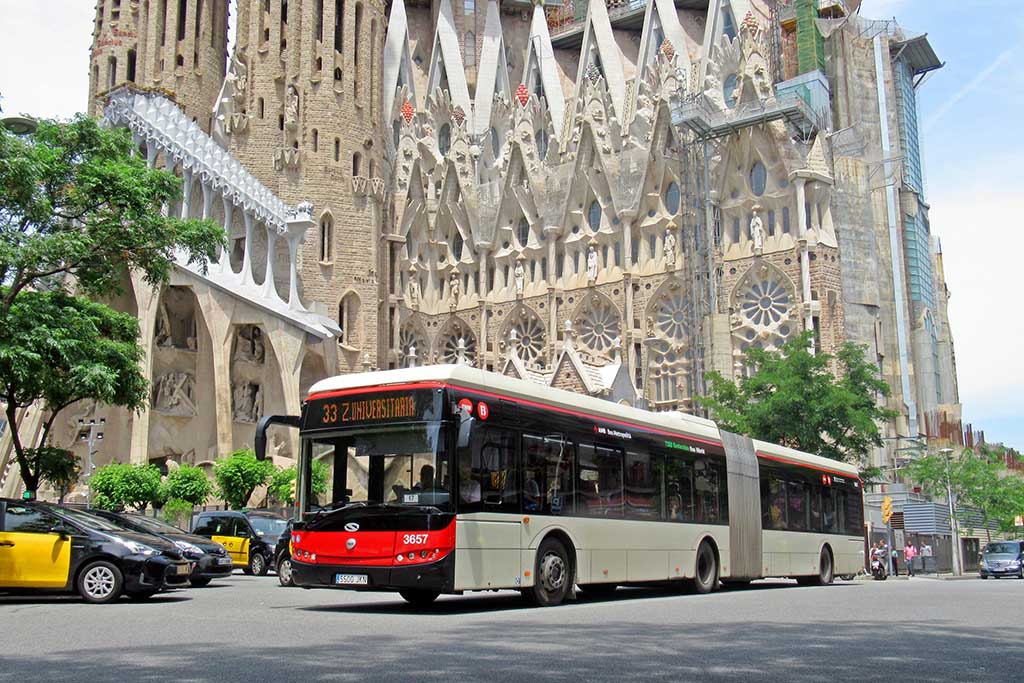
553 575
705 577
419 596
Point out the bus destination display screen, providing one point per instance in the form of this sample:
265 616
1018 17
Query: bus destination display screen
340 412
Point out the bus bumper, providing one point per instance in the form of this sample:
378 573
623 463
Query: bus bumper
438 576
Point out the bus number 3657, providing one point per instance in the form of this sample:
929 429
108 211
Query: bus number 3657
414 539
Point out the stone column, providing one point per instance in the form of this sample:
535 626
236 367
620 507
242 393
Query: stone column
295 233
224 262
186 195
805 259
147 301
218 321
246 273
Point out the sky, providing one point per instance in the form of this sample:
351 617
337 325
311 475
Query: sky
973 151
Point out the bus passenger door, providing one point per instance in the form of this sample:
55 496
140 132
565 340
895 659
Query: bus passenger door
31 556
487 532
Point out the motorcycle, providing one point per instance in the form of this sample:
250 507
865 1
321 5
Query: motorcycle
878 570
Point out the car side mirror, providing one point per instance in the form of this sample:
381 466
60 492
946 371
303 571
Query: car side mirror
61 529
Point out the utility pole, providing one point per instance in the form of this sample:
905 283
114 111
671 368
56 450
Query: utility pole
953 530
95 433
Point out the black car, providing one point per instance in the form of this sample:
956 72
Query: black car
250 537
52 548
209 559
283 557
1002 558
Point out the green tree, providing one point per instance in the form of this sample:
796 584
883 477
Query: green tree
188 483
280 487
58 467
238 476
78 206
978 482
794 399
117 486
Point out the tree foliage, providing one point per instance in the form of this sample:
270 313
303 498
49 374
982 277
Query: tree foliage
117 486
280 487
794 399
58 467
189 484
239 475
78 207
977 481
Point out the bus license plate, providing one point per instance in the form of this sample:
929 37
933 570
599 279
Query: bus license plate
350 579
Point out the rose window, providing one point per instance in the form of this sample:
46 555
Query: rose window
529 336
408 339
450 351
672 315
766 305
598 325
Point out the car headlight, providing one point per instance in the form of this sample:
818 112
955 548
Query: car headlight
139 548
188 548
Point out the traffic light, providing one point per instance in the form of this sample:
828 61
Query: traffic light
886 509
291 489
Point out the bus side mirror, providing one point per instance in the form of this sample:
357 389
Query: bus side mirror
465 427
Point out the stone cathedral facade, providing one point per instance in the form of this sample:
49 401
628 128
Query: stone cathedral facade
613 197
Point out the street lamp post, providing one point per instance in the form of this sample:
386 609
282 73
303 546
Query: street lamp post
95 433
953 530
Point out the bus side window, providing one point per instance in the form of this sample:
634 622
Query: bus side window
487 471
547 474
599 484
828 511
643 485
679 501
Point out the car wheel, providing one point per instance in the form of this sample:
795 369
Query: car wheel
258 565
553 575
140 595
705 577
100 582
284 572
200 582
418 596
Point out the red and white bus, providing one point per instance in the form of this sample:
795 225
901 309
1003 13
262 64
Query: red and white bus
446 479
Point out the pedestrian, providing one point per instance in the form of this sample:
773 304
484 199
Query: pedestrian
895 566
909 553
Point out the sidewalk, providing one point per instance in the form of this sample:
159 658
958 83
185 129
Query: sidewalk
930 577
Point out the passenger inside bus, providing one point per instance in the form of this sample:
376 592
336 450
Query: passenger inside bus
469 487
426 482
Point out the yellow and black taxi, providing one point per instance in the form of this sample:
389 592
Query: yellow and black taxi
209 559
250 537
52 548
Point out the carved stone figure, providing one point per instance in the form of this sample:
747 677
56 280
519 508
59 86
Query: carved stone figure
670 248
453 287
162 335
414 288
249 346
239 77
248 402
757 233
291 108
173 394
591 263
520 276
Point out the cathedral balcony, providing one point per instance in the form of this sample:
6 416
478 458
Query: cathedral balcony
567 21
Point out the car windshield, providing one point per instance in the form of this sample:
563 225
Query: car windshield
1001 549
268 526
154 526
90 521
395 466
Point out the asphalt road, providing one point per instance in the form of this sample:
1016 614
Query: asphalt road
249 629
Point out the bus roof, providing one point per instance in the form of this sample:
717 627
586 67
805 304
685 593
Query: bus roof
511 387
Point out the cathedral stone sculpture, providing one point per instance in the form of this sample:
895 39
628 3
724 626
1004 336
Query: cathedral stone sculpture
520 276
174 394
591 263
757 232
248 402
670 248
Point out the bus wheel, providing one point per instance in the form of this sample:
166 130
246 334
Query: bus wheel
705 578
825 568
419 596
552 575
100 582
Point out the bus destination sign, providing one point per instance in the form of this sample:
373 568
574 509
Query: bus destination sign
352 411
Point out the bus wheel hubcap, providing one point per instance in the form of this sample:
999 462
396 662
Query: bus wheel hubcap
99 582
552 572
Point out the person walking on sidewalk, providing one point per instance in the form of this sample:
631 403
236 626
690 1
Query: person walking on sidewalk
895 565
909 553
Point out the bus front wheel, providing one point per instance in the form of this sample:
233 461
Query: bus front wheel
553 575
705 578
419 596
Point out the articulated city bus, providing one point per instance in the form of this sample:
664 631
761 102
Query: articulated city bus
446 479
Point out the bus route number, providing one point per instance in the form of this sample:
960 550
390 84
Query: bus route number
414 539
330 413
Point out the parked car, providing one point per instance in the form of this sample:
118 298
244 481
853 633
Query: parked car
1002 558
283 555
250 537
209 559
50 548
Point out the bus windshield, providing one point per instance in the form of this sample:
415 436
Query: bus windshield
402 466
